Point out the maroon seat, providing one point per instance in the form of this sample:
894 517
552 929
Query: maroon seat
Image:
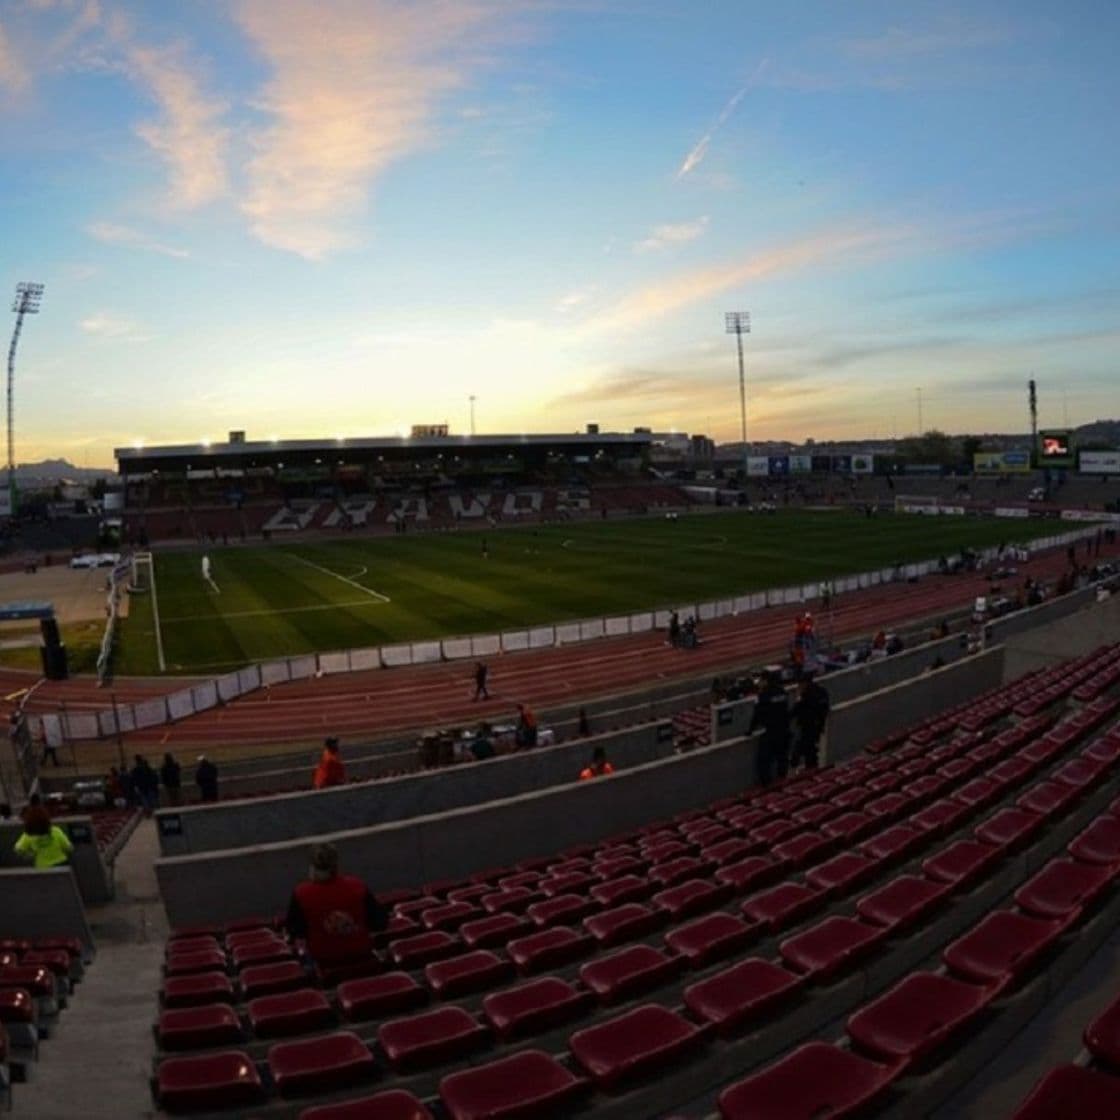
902 903
257 936
624 923
691 897
16 1006
471 972
664 850
289 1013
191 1028
495 929
679 869
320 1065
895 843
528 878
207 960
1071 1091
1082 773
549 948
942 817
57 960
925 788
1009 829
197 989
431 1037
816 814
561 910
961 863
523 1085
852 798
423 948
624 888
448 917
71 944
978 793
804 848
850 826
617 866
394 1104
629 972
710 938
749 874
468 894
511 900
1102 1036
1001 948
241 925
742 994
917 1015
1049 799
569 882
817 1079
888 807
533 1007
1011 771
782 906
377 996
270 979
225 1080
634 1045
1063 888
184 945
260 952
773 832
728 851
842 873
1099 843
830 947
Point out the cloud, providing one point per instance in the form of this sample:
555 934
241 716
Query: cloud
112 234
679 233
104 324
700 149
908 42
573 299
353 89
13 73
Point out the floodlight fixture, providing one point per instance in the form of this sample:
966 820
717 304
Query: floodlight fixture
28 298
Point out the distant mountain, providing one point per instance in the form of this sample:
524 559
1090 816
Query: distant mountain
1104 432
57 470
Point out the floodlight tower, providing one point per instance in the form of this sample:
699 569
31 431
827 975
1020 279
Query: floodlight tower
738 323
28 297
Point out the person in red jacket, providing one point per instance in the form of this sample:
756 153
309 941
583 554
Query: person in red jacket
334 914
599 766
330 771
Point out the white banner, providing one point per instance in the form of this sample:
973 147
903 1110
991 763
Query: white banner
1099 462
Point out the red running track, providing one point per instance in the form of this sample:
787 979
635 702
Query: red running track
380 702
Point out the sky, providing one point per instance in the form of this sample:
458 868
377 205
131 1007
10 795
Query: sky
324 218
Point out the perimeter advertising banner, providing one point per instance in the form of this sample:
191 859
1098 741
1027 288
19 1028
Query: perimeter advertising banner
863 464
800 464
779 464
1099 462
758 466
1055 448
1001 462
842 464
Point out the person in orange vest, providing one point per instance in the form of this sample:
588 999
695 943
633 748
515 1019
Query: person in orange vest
335 914
330 771
599 767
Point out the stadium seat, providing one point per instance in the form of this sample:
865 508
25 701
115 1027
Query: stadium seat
254 936
941 817
470 972
197 989
1102 1036
394 1104
207 960
193 1028
528 1084
429 1038
888 806
624 923
917 1015
692 897
1082 773
538 1005
773 832
320 1065
749 874
830 947
978 793
850 826
271 979
728 851
185 945
1064 888
1001 948
448 917
377 996
561 910
842 873
629 972
423 948
57 960
1071 1091
623 888
569 882
816 1079
510 900
1099 843
902 903
549 948
471 893
804 848
228 1079
961 863
289 1013
742 994
816 814
710 938
1009 829
1049 799
782 906
894 844
495 929
633 1045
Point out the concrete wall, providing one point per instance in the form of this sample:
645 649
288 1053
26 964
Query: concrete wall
200 828
42 904
93 876
851 726
1095 624
1034 617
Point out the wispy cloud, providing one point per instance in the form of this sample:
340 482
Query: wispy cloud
354 88
700 149
104 324
575 298
673 233
13 74
112 234
949 34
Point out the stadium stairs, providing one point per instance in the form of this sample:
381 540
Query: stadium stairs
864 937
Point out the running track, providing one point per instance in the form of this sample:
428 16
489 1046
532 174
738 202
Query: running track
380 702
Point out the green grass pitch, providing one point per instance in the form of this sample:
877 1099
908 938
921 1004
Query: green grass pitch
291 598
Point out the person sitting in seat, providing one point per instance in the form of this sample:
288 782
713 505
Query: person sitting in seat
42 842
330 771
599 767
334 914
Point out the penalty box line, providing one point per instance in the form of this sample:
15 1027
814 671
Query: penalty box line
344 579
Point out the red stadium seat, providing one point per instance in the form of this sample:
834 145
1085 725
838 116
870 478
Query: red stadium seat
1099 843
270 979
208 960
692 897
850 826
1001 948
636 1044
749 874
629 972
979 793
448 917
783 905
536 1006
1049 799
260 952
394 1104
432 1037
1063 888
57 960
816 1080
570 882
523 1085
916 1016
961 863
415 952
830 947
496 929
902 903
470 894
710 938
624 923
895 843
678 870
378 996
624 888
289 1013
842 873
941 818
804 848
320 1065
192 1028
185 945
742 994
1082 773
1009 829
1102 1036
196 990
1071 1091
16 1006
510 900
549 949
561 910
225 1080
728 851
471 972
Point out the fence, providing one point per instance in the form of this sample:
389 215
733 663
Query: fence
67 726
121 572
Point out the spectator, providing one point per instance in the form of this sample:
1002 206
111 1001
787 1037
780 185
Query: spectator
771 713
599 766
810 713
481 671
330 771
206 778
45 844
482 746
525 733
145 784
171 775
335 914
114 789
583 729
674 629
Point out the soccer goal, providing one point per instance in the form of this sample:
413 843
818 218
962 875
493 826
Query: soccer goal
928 504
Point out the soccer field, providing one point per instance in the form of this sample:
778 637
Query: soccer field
284 599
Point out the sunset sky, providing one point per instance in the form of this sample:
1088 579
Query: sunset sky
332 218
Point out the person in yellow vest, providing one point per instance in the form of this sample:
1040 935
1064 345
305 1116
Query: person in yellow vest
599 767
44 843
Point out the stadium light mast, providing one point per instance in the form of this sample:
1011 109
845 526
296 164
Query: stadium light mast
28 297
473 398
738 323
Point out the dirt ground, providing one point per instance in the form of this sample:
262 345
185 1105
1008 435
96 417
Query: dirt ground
77 595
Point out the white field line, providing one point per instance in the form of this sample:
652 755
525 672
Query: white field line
276 610
155 618
344 579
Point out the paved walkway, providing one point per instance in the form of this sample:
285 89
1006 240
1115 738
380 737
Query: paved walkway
105 1032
